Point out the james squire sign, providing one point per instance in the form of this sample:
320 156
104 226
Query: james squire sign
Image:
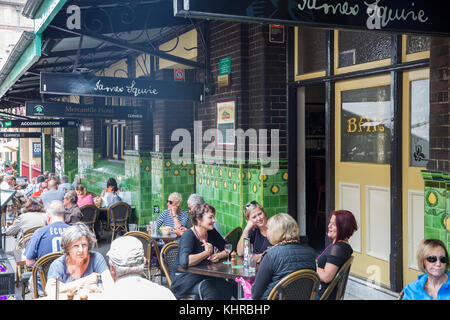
405 16
90 85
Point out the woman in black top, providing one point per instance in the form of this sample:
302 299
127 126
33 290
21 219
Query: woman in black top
255 230
341 226
195 246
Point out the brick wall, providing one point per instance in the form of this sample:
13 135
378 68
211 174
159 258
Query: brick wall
439 105
258 78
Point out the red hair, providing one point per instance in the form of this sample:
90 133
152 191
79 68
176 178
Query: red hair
345 224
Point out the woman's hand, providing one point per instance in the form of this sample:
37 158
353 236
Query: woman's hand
209 248
103 193
257 257
249 226
89 280
216 257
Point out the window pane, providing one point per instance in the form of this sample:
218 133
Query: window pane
366 124
311 50
420 123
417 44
361 47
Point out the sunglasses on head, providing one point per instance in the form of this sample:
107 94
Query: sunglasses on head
433 259
251 203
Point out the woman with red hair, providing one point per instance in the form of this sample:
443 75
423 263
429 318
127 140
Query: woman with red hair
341 226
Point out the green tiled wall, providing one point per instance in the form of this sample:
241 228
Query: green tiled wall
70 152
167 177
47 152
229 187
437 206
138 181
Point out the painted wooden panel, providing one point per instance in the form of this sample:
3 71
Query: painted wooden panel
350 199
378 238
416 225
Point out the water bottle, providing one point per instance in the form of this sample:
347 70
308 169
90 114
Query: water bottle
99 283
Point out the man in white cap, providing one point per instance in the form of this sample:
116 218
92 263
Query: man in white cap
127 262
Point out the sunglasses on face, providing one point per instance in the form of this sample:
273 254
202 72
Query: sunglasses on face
433 259
169 201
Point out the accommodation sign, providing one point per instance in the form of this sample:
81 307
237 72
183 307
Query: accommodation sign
39 123
406 16
140 88
75 110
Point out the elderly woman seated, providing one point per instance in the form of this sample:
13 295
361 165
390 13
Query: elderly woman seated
73 212
34 216
286 256
79 266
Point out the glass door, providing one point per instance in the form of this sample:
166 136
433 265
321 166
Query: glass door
362 170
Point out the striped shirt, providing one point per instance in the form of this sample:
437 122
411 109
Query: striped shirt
166 219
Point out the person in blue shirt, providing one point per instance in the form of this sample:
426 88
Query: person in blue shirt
47 239
434 284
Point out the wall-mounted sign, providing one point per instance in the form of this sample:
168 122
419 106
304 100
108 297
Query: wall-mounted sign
74 110
276 33
223 79
20 135
224 66
39 123
36 149
178 75
89 85
226 122
407 16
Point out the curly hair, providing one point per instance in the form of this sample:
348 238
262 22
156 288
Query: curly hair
199 211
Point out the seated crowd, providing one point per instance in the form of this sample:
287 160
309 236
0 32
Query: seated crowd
275 243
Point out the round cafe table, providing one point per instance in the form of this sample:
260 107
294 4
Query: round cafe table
159 236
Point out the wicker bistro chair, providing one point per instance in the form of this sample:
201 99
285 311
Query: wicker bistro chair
339 282
148 244
23 273
90 215
117 218
233 237
168 256
31 230
299 285
41 266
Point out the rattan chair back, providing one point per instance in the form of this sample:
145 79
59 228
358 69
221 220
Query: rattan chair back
168 257
148 244
118 214
339 282
90 214
22 243
233 237
31 230
41 267
299 285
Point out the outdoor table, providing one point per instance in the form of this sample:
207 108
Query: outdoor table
159 236
221 270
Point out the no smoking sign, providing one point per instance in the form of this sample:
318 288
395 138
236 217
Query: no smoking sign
178 74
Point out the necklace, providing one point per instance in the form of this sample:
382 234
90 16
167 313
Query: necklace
262 246
198 236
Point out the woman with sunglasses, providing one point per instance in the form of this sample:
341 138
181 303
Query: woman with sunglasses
434 284
173 217
255 230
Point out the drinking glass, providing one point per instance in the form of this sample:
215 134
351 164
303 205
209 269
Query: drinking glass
228 249
252 263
